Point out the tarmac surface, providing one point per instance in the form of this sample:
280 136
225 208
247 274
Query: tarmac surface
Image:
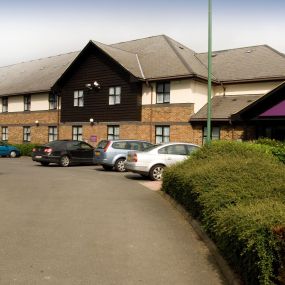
82 225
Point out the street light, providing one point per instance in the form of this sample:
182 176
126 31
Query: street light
209 109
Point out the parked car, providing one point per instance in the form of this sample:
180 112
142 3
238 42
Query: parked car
64 153
152 162
9 150
112 153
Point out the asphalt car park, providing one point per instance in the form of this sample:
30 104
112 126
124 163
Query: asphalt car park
84 225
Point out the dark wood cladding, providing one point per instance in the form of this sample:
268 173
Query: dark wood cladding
94 65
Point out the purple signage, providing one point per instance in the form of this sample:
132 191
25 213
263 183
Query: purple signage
93 138
276 111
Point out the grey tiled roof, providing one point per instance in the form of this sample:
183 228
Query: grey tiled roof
224 106
248 63
33 76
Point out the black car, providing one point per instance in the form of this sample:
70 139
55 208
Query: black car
64 153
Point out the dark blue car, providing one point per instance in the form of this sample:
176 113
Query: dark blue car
8 150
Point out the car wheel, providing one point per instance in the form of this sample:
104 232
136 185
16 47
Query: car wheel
13 154
107 167
64 161
43 163
156 172
120 165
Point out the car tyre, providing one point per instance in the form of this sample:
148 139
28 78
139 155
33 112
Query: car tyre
120 165
64 161
13 154
43 163
107 167
156 172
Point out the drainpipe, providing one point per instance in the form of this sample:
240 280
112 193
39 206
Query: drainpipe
151 109
58 114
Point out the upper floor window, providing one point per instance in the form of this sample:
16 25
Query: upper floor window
214 136
163 92
113 132
77 133
27 103
78 99
52 101
162 134
4 134
26 134
52 134
114 95
4 104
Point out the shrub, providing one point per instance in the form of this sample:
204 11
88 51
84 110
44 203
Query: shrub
26 149
238 179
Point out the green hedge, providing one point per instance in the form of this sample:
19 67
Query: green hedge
237 192
26 149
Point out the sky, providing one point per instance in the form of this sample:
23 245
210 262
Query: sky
32 29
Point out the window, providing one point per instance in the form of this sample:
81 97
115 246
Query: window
52 101
52 134
114 95
78 100
27 103
26 134
113 132
77 133
4 134
4 104
163 92
162 134
214 136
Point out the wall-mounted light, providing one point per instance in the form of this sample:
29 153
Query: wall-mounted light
96 85
37 123
89 86
91 120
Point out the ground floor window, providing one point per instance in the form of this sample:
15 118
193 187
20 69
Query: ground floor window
162 134
52 134
77 133
113 132
4 134
26 134
214 136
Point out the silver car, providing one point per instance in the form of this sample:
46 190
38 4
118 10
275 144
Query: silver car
112 153
153 161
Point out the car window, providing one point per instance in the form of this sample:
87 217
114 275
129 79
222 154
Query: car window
73 145
120 145
135 146
102 144
191 148
146 145
163 150
84 145
177 149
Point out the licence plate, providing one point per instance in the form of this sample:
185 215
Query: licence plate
97 153
129 157
38 156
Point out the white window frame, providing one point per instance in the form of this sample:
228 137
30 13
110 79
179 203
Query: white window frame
27 103
26 134
115 95
52 133
52 101
5 104
215 135
77 132
78 98
163 96
4 134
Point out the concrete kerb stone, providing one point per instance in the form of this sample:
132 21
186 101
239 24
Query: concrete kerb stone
231 277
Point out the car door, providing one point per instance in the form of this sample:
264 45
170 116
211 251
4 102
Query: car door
175 153
86 153
4 149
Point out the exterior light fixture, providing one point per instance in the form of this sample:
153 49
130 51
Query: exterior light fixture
96 85
91 120
37 123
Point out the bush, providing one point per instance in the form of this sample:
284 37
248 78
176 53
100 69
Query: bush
232 182
26 149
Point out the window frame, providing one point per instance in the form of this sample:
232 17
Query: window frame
213 135
78 98
27 103
115 132
26 135
4 135
164 137
77 136
52 99
5 104
115 98
53 134
164 94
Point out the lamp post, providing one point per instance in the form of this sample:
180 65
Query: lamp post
209 110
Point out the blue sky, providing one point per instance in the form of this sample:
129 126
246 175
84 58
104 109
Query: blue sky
33 29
